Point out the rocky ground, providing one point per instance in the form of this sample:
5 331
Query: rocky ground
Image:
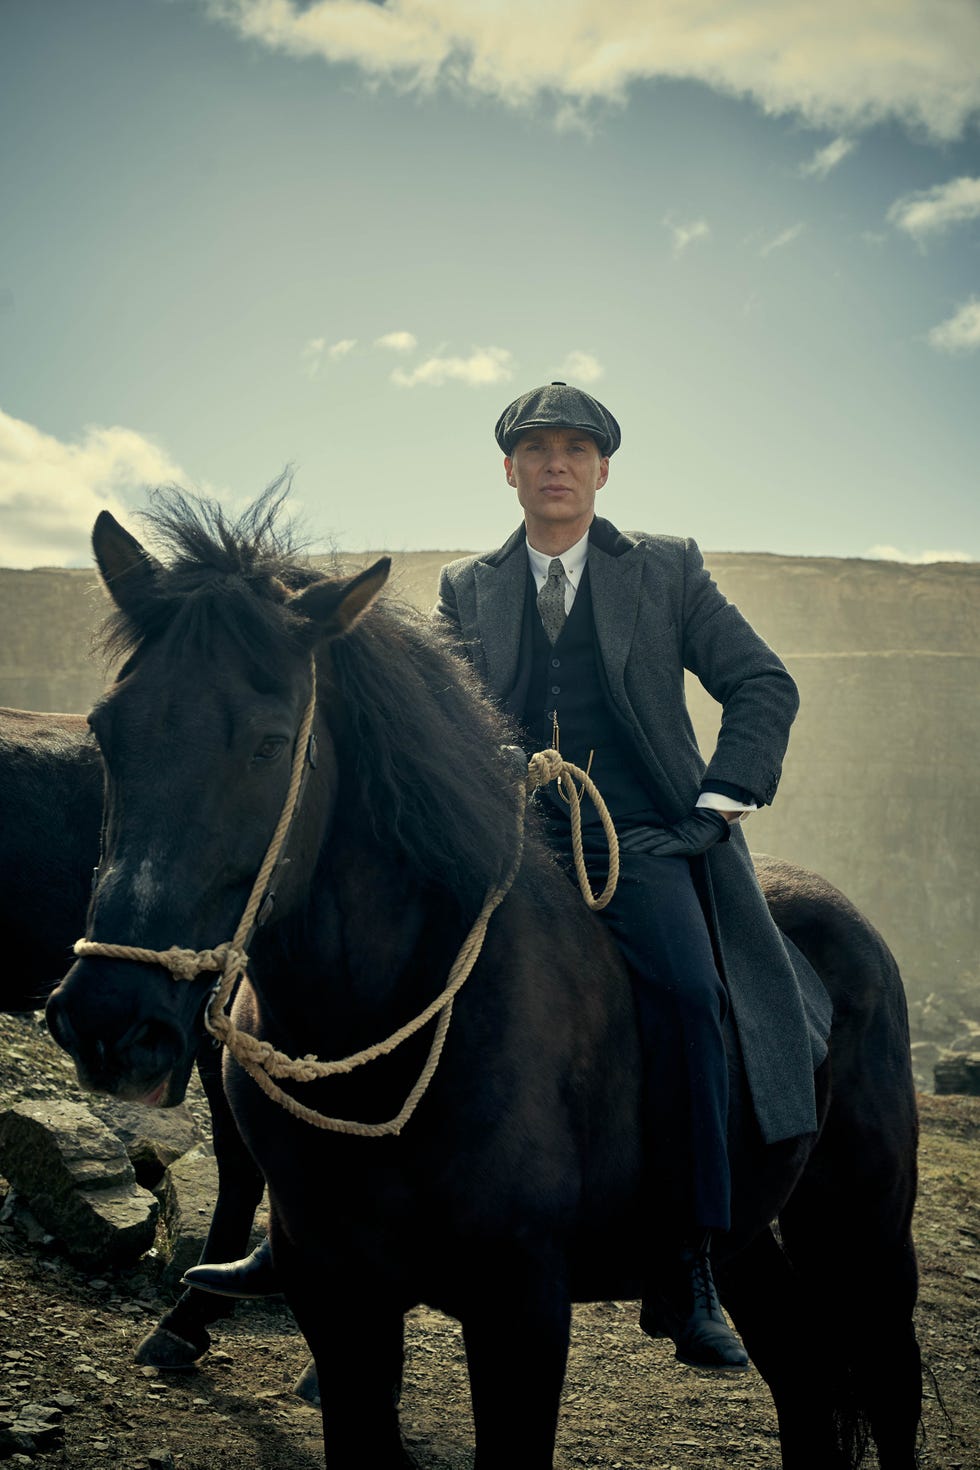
67 1340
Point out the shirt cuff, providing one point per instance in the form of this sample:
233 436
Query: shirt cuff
718 803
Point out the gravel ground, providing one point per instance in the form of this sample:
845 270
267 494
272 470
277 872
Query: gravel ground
67 1339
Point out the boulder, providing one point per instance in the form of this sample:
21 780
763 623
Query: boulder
153 1137
188 1194
76 1177
958 1072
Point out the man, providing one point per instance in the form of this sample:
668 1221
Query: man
582 634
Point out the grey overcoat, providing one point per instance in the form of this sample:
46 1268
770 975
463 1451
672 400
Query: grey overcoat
657 611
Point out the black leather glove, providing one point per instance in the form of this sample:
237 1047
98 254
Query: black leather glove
695 834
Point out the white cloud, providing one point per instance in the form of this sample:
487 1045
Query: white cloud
931 211
313 355
581 367
786 238
685 235
961 333
916 558
51 492
484 367
834 65
397 341
341 348
827 158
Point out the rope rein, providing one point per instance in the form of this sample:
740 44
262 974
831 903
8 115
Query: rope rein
260 1059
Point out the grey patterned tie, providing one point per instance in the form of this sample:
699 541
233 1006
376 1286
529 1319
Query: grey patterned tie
551 600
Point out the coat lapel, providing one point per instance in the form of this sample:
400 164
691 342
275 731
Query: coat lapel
500 581
616 579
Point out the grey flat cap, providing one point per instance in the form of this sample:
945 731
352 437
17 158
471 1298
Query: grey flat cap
557 406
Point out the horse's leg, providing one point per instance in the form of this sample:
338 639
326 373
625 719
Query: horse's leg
847 1229
516 1330
356 1337
181 1335
787 1338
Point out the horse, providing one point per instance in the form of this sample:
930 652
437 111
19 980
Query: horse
51 795
516 1185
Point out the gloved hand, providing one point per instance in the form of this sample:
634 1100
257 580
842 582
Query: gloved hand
695 834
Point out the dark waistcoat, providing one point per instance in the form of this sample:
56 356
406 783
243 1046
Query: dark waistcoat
567 680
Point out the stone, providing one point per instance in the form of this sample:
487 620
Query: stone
154 1138
188 1194
78 1181
958 1072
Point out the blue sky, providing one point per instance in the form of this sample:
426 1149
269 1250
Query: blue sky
236 234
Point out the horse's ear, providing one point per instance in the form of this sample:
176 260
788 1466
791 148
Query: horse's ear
128 571
334 607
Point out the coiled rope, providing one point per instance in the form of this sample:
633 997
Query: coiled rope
260 1059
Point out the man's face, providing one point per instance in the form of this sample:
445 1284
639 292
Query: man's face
556 473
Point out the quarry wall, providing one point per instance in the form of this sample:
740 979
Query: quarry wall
879 787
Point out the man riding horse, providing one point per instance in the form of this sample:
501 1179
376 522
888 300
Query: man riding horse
582 634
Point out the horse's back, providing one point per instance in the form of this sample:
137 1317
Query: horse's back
50 815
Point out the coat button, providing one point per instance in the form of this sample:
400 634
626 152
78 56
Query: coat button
556 688
556 663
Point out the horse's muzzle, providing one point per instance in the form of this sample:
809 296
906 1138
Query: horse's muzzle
120 1049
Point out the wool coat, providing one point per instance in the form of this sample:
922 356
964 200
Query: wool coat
657 612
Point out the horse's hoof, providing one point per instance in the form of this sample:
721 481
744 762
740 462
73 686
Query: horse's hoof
163 1349
307 1385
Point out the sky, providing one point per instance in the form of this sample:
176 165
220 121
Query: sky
340 236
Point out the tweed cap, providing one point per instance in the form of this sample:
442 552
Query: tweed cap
557 406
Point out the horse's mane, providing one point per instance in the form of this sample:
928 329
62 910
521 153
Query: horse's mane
431 781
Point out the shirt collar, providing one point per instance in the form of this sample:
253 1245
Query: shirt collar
573 560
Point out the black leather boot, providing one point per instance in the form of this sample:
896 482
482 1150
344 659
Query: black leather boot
684 1306
251 1278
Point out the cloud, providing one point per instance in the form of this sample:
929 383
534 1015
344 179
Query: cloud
931 211
685 235
916 558
340 349
484 367
786 238
827 158
581 367
961 333
834 65
313 355
397 341
51 492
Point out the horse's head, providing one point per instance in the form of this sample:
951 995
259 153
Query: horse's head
197 735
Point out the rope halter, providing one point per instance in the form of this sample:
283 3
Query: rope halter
260 1059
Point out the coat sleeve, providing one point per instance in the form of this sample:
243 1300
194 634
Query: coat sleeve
445 615
759 699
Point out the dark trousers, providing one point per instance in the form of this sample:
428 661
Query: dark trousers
681 1002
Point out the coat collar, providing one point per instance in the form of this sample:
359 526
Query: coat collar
615 574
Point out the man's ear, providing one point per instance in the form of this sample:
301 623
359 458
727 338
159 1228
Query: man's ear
509 471
603 471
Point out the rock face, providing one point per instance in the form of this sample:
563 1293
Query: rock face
882 759
959 1072
78 1180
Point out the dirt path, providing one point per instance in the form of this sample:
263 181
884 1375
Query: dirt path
628 1405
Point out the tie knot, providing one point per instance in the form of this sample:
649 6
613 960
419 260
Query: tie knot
557 567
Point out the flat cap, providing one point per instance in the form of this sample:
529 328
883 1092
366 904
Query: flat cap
557 406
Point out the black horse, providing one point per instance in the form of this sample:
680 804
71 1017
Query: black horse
514 1188
51 794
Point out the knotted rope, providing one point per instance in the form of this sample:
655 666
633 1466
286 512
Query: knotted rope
260 1059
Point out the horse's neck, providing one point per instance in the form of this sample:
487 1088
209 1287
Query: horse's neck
369 951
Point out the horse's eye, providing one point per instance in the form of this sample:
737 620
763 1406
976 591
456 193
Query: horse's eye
269 748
